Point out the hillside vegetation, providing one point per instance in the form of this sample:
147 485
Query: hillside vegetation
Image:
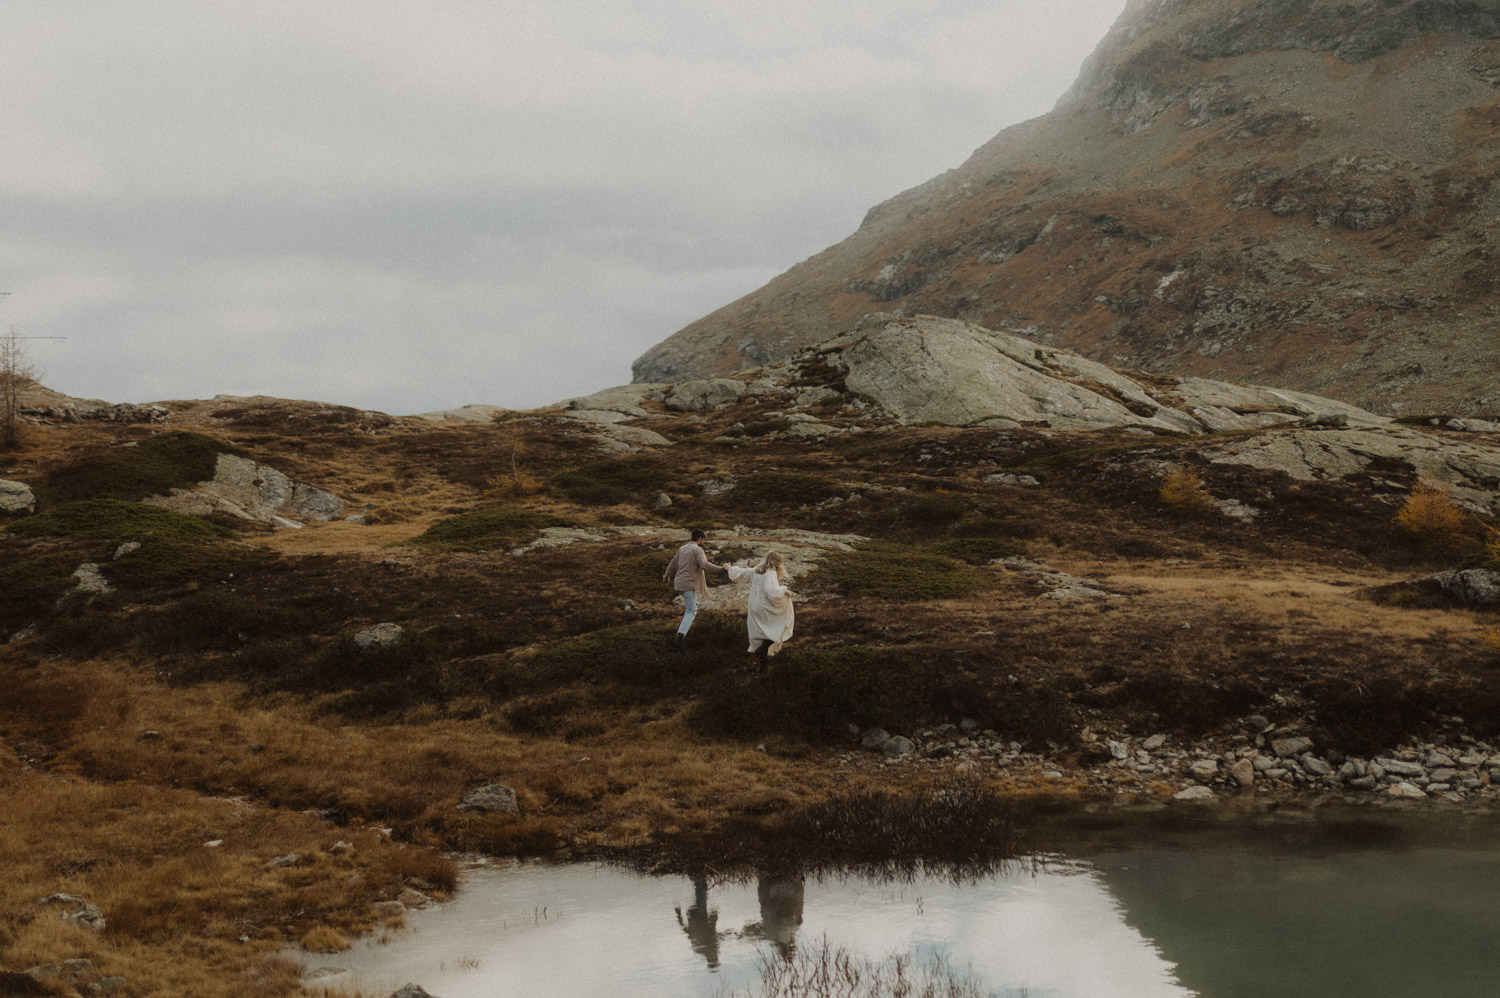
1050 590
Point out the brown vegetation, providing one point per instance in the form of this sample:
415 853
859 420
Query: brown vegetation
217 693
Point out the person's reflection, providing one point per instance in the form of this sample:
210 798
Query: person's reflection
780 914
702 923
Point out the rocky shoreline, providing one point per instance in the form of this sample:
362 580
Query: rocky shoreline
1262 758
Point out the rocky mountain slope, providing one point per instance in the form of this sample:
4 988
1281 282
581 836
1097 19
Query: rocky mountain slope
1291 192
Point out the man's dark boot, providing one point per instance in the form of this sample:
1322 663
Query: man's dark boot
679 642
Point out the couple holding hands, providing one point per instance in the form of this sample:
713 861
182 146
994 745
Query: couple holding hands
769 616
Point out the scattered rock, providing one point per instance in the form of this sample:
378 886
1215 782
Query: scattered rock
411 991
1204 769
875 738
1290 748
129 547
1407 790
1193 793
379 636
412 898
281 862
489 798
1315 766
79 910
1243 772
16 498
1003 478
662 501
89 582
691 396
1474 586
1399 767
341 848
898 746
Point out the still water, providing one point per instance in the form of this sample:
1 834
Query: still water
1278 906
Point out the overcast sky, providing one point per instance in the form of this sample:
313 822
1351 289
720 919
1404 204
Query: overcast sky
410 206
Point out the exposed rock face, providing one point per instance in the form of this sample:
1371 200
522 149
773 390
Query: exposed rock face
251 491
1290 192
930 370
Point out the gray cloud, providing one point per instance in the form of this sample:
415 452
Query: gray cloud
408 206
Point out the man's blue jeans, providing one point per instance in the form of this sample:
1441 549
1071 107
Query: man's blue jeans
689 610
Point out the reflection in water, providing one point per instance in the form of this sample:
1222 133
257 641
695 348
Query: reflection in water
780 914
1244 915
702 923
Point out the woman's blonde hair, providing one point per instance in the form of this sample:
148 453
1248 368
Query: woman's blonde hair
773 560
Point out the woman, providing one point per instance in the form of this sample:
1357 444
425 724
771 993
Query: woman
769 616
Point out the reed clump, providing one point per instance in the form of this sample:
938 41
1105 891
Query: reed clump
826 970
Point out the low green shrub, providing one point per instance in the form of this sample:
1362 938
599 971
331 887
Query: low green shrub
215 617
762 427
980 550
163 564
639 576
155 466
611 482
883 570
815 693
487 529
116 521
640 654
30 586
782 490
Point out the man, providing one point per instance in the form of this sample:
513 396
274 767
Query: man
686 573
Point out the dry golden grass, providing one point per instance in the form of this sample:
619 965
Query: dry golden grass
176 908
324 939
1429 514
1491 639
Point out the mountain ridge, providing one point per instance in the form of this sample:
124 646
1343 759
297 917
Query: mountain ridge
1292 195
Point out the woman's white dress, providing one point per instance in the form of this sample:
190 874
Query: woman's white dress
768 615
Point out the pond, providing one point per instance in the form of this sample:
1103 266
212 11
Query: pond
1324 904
